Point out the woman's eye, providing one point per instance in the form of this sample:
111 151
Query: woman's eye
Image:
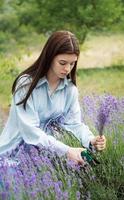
62 63
72 64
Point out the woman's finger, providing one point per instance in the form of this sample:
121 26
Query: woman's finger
100 143
81 160
100 147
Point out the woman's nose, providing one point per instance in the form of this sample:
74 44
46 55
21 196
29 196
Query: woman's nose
68 67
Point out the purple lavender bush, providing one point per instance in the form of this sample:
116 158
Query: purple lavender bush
40 174
105 115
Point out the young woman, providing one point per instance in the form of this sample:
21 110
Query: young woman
45 95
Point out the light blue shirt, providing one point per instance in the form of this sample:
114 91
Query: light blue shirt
30 124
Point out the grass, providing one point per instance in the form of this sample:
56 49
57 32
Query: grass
100 80
110 182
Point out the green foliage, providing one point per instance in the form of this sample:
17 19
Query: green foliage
109 180
9 22
79 17
46 16
7 42
7 68
8 72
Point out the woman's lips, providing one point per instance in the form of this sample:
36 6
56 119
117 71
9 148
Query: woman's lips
64 73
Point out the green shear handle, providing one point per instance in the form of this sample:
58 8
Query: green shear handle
90 158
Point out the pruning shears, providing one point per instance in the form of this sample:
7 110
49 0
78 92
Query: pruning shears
90 158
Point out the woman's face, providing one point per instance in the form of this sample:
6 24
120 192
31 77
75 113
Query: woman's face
62 65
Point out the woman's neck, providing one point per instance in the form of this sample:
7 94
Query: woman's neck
53 82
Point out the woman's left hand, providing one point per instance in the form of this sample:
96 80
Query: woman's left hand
99 142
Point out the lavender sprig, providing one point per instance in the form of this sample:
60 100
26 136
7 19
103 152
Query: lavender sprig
107 105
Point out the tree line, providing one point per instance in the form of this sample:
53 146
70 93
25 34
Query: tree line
21 18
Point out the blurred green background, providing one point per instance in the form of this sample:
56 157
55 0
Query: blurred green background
99 25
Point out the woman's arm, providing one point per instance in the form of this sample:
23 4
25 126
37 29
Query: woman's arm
74 123
78 128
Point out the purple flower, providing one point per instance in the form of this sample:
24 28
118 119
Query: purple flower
58 191
78 195
65 195
103 111
3 195
47 180
108 104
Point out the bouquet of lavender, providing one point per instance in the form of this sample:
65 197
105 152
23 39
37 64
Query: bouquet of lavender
107 105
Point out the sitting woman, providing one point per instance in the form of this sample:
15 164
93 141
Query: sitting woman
45 97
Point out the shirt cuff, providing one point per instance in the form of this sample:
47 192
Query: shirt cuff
60 148
92 148
87 142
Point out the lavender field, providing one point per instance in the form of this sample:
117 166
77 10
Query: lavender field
36 173
43 175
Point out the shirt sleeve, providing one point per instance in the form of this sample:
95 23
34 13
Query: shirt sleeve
29 125
73 121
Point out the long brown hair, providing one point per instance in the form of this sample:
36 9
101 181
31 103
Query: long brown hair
59 42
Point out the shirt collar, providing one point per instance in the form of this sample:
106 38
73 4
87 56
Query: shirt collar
41 81
62 84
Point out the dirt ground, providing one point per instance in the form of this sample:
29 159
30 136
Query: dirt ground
97 51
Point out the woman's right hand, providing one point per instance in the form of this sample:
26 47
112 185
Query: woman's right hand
74 154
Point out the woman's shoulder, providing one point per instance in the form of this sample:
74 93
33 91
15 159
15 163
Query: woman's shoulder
23 81
72 89
71 85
